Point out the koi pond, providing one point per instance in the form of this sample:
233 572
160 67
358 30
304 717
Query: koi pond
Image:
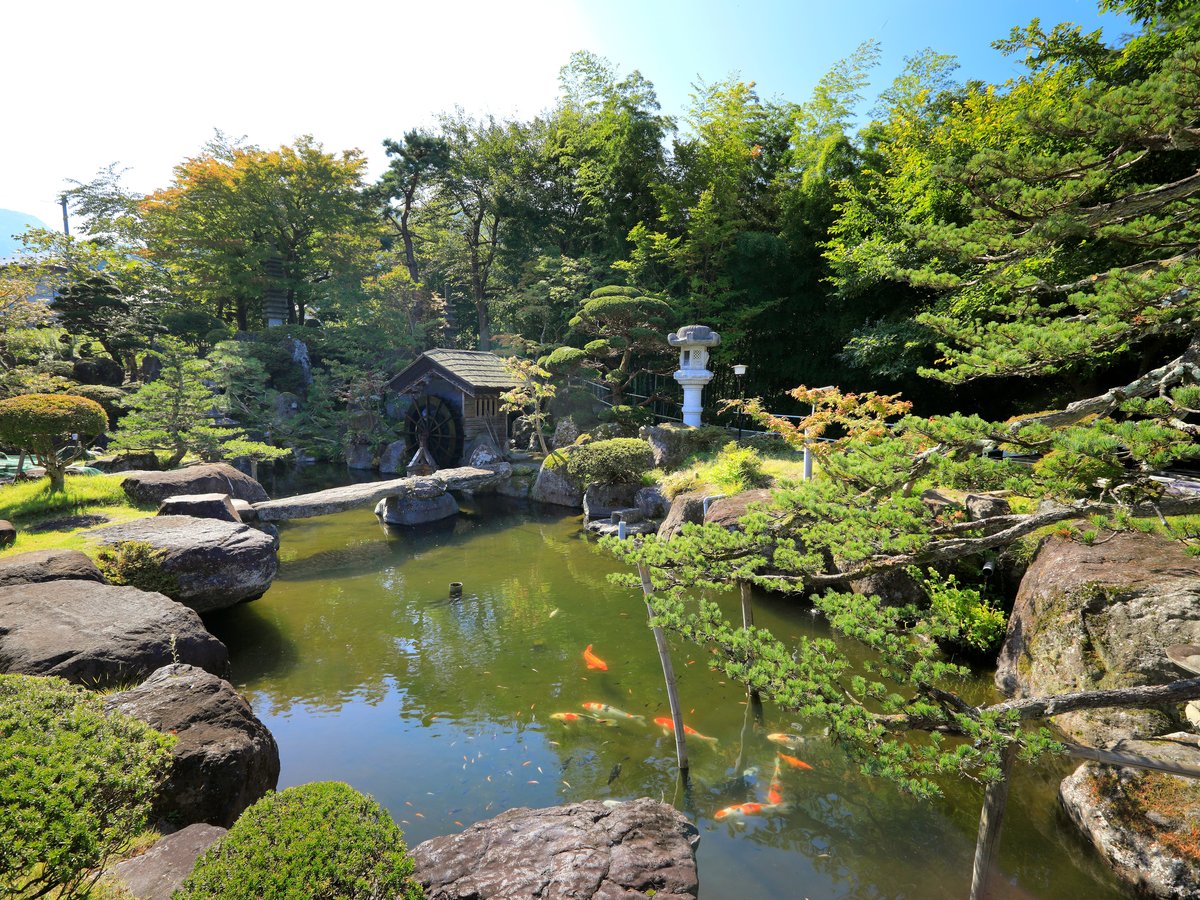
444 711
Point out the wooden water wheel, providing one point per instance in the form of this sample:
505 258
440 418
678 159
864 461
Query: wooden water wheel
439 426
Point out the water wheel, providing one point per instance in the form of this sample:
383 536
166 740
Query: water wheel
439 426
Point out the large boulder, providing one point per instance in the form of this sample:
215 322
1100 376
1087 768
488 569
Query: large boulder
1142 822
1100 615
553 485
566 433
210 478
684 508
652 502
48 565
394 458
8 533
728 510
201 506
642 848
520 482
600 501
99 635
224 758
215 564
159 872
672 444
416 510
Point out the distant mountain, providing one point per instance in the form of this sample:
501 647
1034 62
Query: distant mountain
13 222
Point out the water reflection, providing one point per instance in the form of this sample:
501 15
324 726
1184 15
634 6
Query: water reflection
365 671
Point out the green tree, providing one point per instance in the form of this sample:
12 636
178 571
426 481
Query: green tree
56 428
414 164
628 330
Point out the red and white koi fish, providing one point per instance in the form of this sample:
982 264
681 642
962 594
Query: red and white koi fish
611 711
593 661
667 723
793 762
744 810
791 741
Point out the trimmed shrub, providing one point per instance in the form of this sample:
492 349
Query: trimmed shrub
76 783
563 359
98 370
323 840
111 398
42 423
616 461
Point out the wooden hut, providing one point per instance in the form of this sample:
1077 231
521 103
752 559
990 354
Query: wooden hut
454 402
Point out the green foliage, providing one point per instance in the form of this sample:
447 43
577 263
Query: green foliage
139 565
961 616
111 398
738 468
44 425
564 359
629 418
322 840
76 782
615 461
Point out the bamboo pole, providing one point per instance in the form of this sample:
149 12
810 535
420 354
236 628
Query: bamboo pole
987 844
755 699
664 656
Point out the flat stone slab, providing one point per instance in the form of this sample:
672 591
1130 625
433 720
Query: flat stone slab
161 870
202 506
369 494
99 635
594 849
217 564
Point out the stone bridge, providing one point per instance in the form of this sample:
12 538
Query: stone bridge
370 493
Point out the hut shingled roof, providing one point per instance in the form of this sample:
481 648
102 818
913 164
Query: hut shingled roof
473 370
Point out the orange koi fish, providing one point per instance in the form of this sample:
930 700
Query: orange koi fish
775 794
666 722
791 741
612 711
793 762
593 661
742 810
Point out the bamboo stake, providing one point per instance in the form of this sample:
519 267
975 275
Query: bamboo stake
987 845
664 656
748 622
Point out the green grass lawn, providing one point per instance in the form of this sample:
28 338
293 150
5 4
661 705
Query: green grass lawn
710 474
32 505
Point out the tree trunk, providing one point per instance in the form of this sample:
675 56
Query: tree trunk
987 844
485 334
754 698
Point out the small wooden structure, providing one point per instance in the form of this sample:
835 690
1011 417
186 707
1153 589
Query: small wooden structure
455 401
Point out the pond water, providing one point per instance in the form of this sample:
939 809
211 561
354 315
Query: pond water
366 672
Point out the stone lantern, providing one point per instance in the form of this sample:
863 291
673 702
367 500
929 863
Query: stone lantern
693 342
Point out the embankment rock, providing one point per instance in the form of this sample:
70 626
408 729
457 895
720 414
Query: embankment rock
210 478
201 506
1100 616
684 508
161 870
642 848
1140 821
554 486
652 502
224 757
48 565
100 635
600 501
215 564
394 458
728 510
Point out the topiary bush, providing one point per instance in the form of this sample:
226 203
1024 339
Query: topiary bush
323 840
41 424
616 461
76 783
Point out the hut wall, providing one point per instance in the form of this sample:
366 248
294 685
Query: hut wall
482 415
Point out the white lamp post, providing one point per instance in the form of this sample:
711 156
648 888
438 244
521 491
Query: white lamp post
693 342
740 371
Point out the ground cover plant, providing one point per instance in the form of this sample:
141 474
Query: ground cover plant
76 784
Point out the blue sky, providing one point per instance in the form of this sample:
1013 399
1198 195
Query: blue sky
145 82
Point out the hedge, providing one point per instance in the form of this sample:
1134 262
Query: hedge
615 461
